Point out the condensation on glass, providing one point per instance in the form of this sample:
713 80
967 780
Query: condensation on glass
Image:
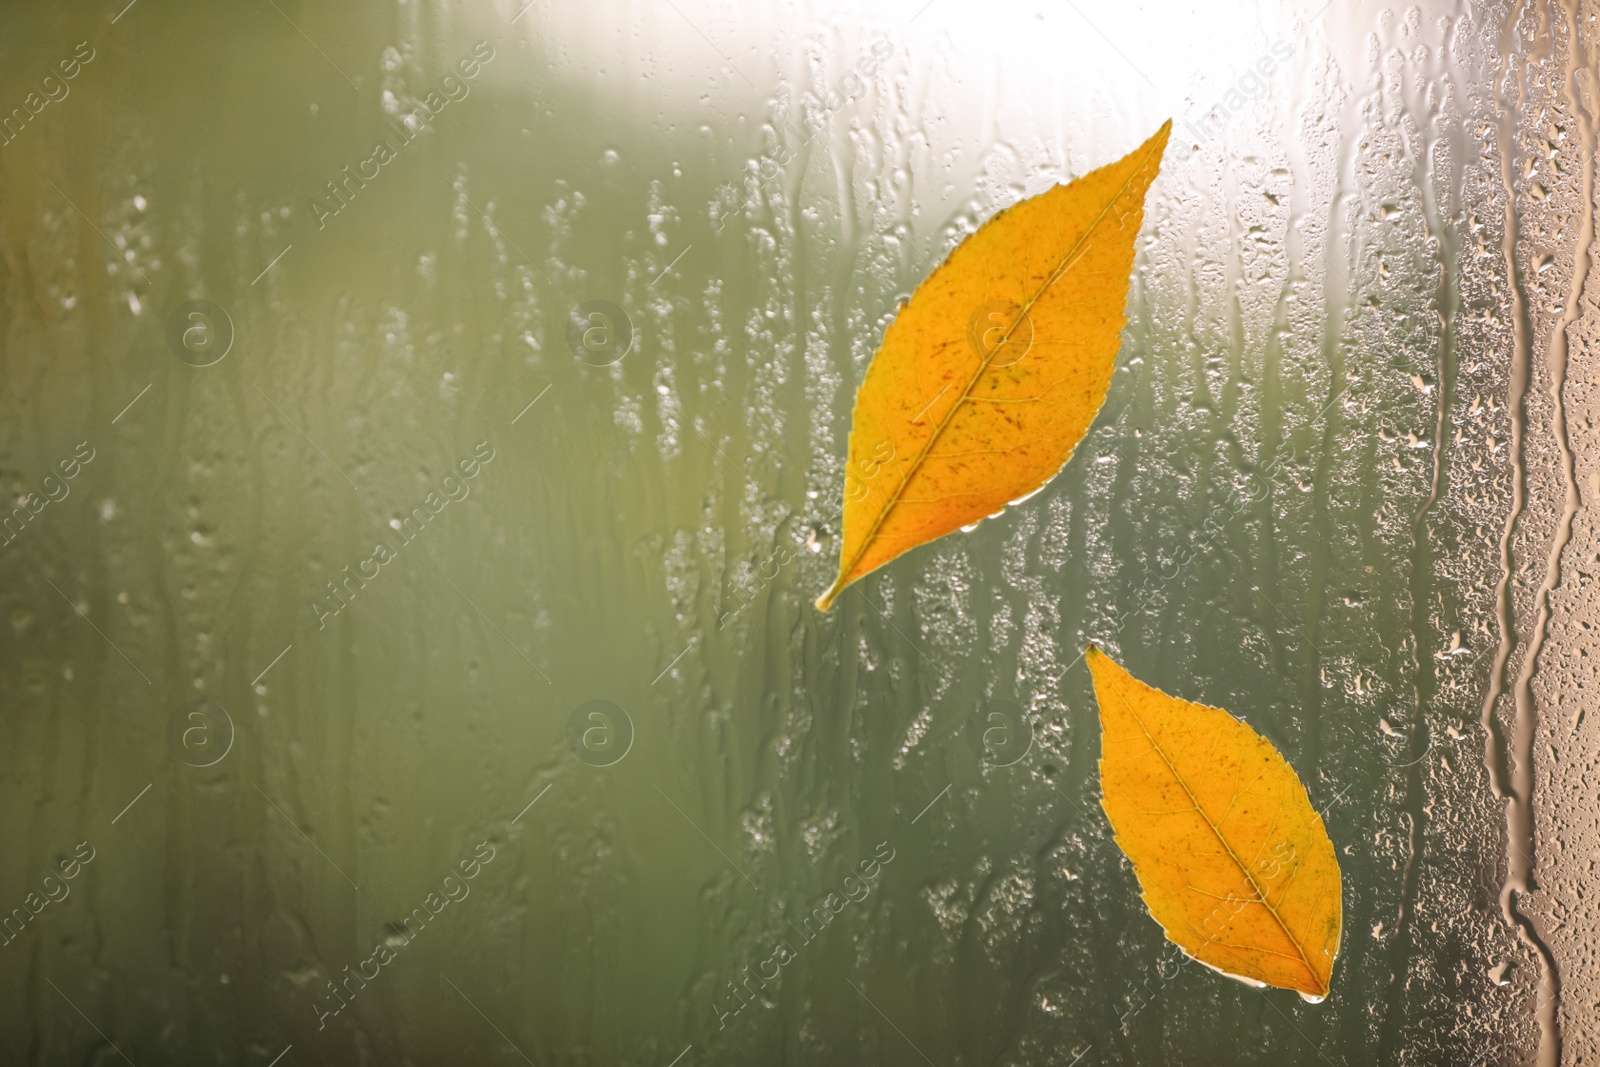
425 429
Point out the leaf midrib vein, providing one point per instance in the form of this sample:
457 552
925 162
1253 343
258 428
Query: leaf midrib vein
983 366
1261 895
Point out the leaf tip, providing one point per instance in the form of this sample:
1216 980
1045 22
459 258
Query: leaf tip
1158 141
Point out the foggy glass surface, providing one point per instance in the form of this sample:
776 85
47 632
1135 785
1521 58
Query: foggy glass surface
552 773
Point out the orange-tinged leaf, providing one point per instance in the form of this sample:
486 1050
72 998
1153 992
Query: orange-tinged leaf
992 373
1232 858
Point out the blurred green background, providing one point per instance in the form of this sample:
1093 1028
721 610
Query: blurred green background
1294 505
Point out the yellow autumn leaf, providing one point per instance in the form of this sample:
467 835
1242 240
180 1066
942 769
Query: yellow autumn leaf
992 373
1233 860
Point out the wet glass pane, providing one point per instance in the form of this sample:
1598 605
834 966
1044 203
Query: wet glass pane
424 434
